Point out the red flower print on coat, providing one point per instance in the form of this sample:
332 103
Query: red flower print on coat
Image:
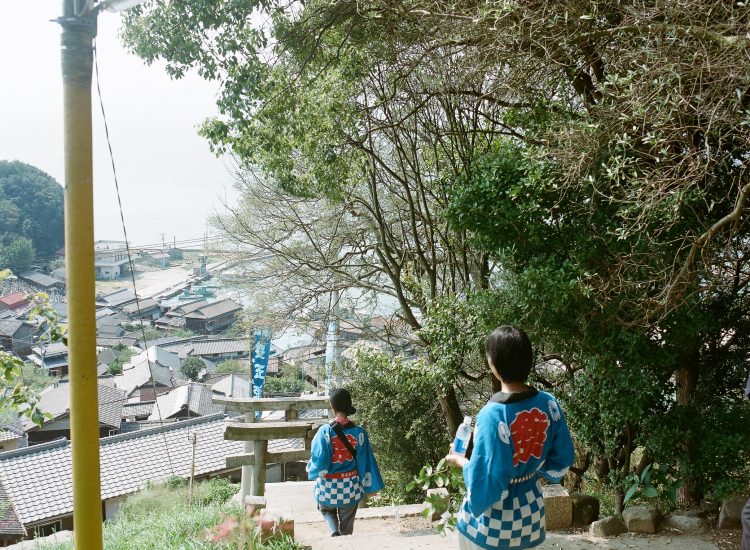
340 452
529 432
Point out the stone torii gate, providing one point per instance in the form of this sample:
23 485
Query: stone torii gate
257 434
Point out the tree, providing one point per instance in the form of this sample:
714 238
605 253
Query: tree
31 207
617 228
19 254
232 366
292 380
192 367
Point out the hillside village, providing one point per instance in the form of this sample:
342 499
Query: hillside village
148 405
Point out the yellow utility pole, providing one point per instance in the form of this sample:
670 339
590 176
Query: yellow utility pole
79 30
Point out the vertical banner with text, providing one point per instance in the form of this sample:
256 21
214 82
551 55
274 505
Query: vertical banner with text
259 359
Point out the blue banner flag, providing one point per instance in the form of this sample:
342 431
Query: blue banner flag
259 360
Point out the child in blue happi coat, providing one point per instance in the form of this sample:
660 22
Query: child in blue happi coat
343 466
520 436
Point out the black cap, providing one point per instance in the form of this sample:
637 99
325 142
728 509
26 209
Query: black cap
341 401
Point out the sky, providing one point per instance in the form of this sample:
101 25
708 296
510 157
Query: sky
169 180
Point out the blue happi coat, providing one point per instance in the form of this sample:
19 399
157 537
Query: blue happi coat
341 482
518 438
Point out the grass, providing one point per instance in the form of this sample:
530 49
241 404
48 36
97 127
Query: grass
160 518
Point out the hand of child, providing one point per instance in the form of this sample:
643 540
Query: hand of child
456 459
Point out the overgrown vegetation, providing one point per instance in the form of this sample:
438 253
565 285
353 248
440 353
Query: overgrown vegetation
579 169
291 380
160 518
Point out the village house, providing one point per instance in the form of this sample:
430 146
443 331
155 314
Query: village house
174 318
116 299
147 308
14 302
16 336
213 317
148 374
184 402
12 436
56 402
38 484
233 385
43 282
52 357
161 259
110 259
11 528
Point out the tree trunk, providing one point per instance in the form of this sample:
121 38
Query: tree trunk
687 381
619 500
451 410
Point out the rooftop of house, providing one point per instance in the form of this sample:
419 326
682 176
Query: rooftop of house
14 430
118 297
51 350
56 401
216 309
38 479
9 327
40 279
184 309
139 374
141 408
221 346
192 397
142 305
14 300
234 385
9 522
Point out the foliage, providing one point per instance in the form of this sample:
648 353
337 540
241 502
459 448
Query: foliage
575 168
232 366
653 483
160 518
191 367
444 475
292 380
19 254
20 383
31 207
397 406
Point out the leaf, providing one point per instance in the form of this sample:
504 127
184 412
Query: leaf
631 491
650 492
428 469
645 473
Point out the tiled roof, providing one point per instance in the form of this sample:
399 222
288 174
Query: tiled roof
234 385
54 349
214 310
8 327
9 432
221 346
141 408
14 300
192 397
118 297
107 342
138 375
56 401
182 309
38 478
145 304
40 279
9 523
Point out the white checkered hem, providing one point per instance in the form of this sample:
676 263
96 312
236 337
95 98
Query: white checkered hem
337 493
516 521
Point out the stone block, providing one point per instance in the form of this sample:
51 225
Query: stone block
730 516
558 507
611 526
688 525
437 502
585 509
274 524
254 504
641 519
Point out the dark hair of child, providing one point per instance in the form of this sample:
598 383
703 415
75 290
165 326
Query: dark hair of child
509 351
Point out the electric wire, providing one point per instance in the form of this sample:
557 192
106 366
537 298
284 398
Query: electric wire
127 248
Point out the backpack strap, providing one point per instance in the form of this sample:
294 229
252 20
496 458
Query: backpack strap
340 433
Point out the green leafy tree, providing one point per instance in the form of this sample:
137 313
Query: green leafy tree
292 380
31 207
232 366
191 367
19 254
